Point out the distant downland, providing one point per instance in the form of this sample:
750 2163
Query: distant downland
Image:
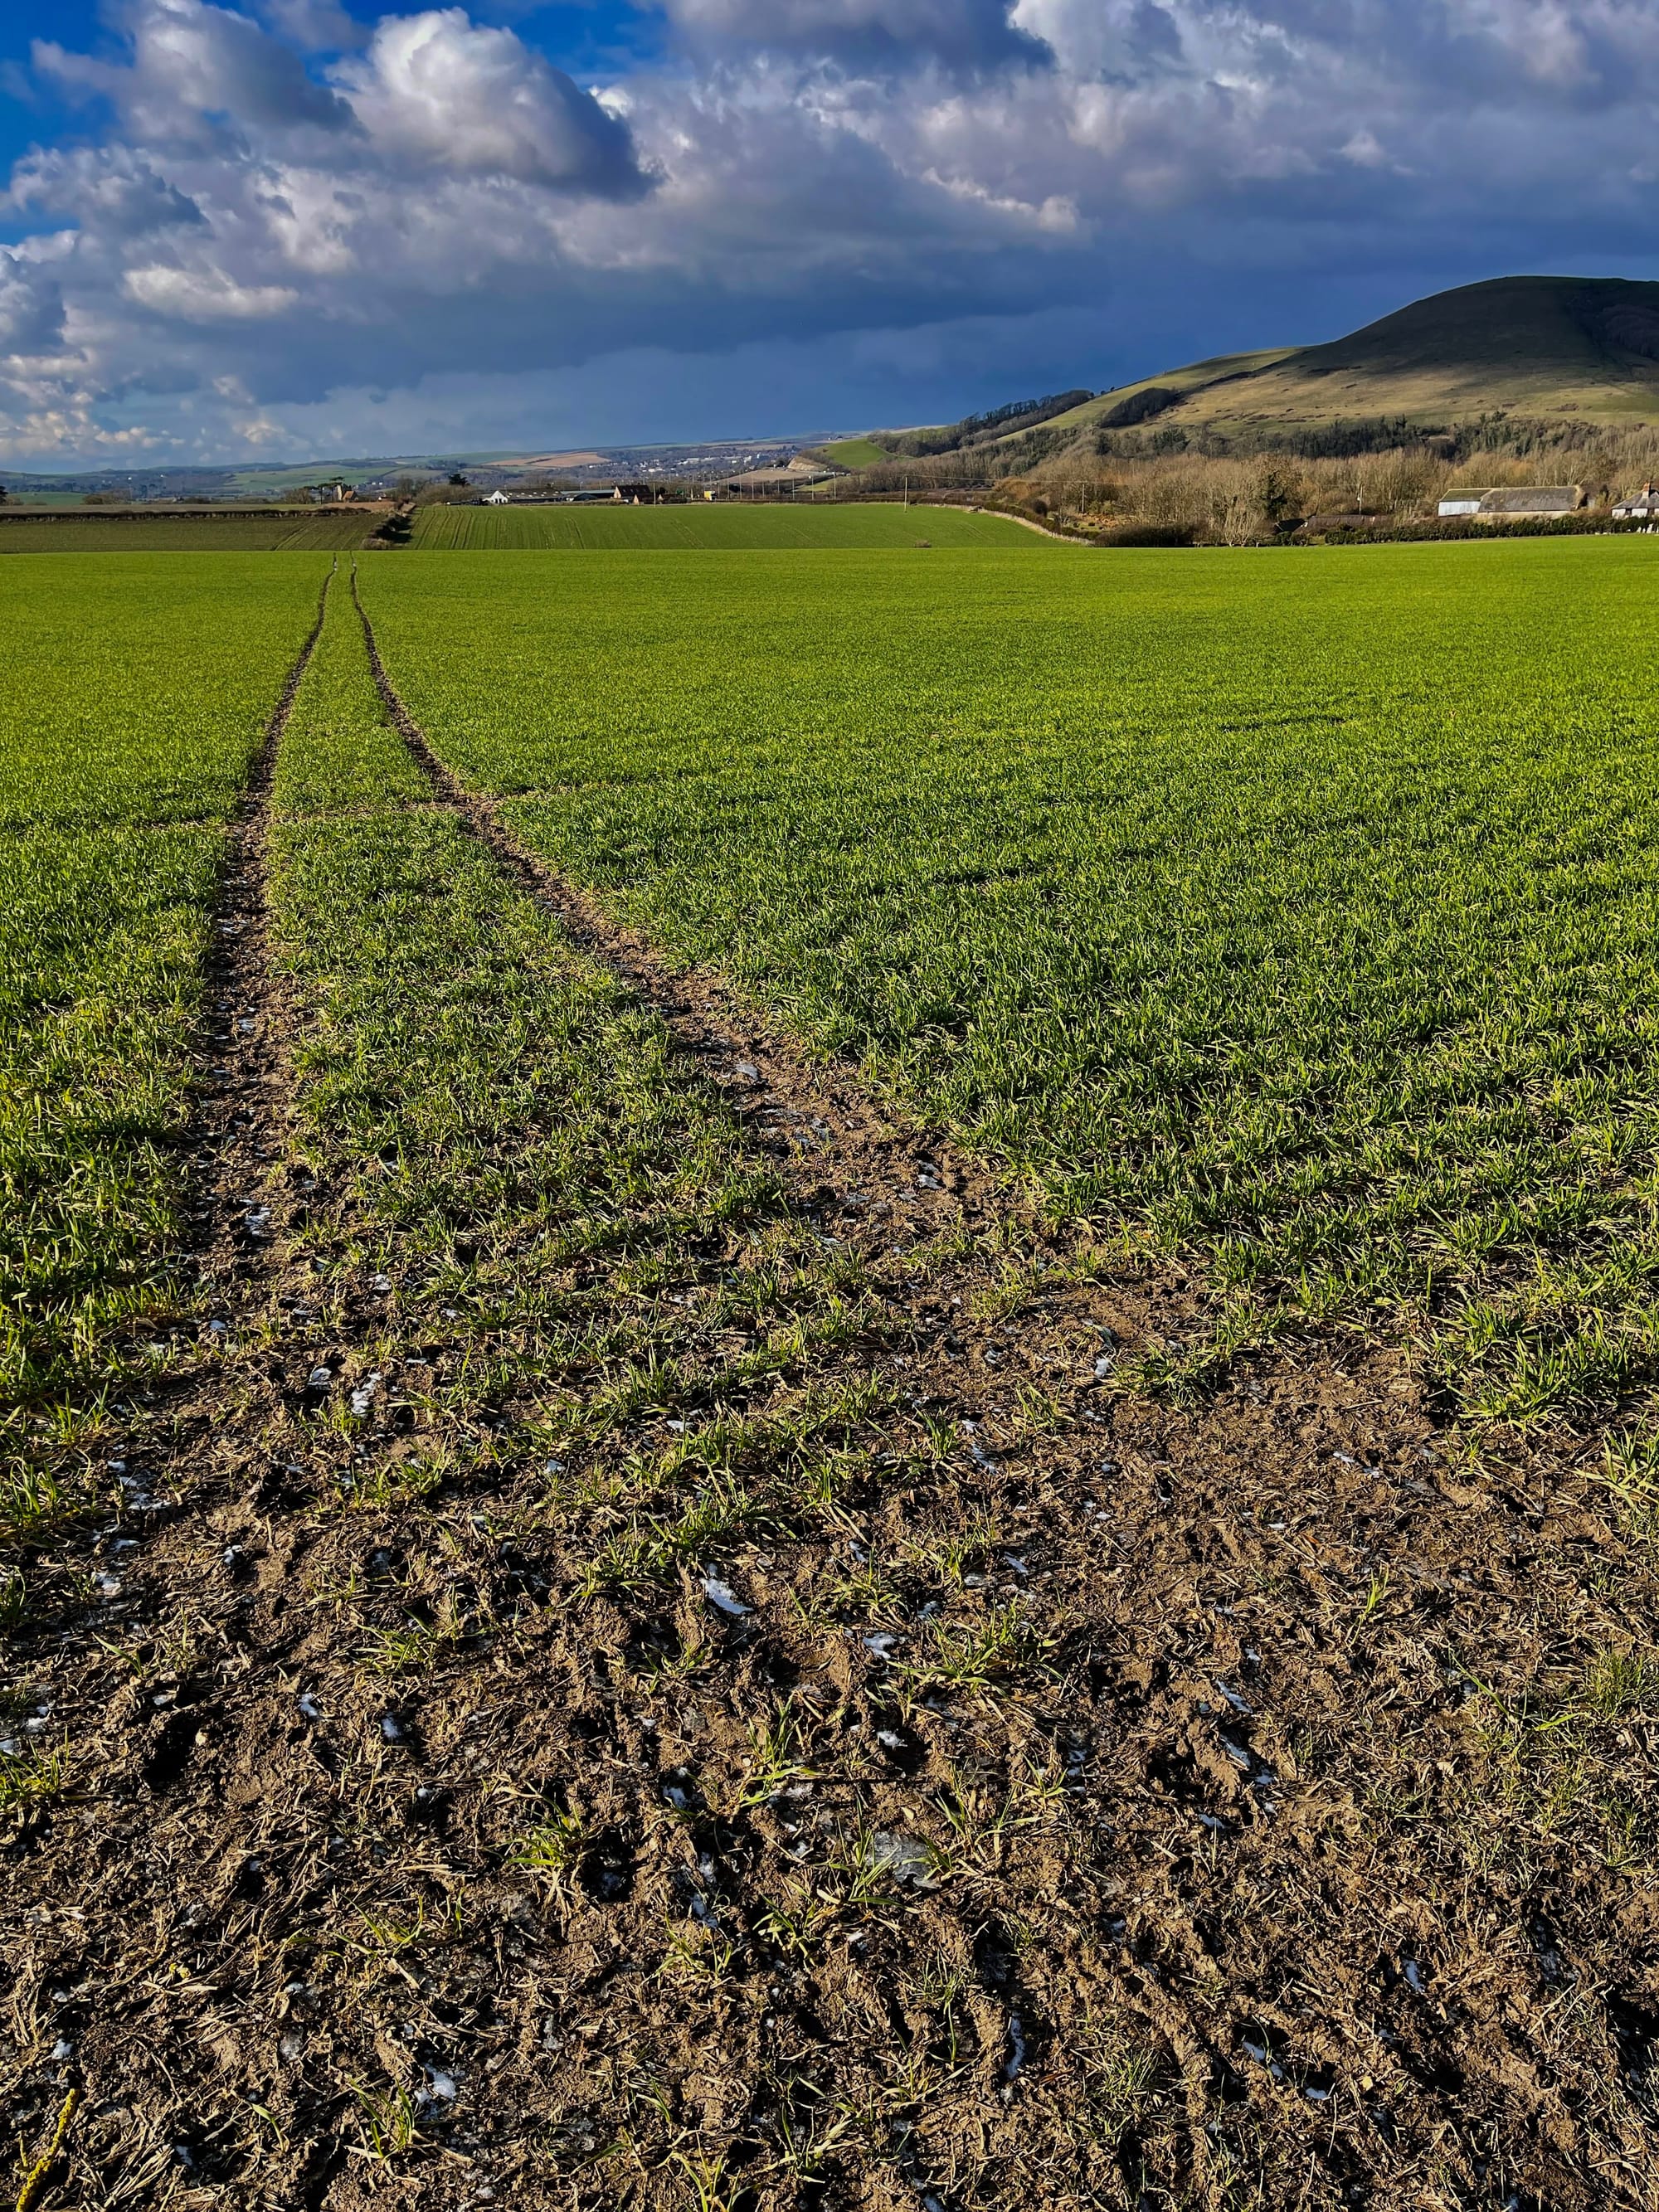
1584 347
1531 348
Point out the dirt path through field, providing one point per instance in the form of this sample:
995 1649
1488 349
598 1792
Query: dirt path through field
235 1219
170 1458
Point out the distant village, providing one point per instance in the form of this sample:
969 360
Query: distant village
764 469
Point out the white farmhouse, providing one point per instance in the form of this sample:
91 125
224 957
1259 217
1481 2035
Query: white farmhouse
1513 502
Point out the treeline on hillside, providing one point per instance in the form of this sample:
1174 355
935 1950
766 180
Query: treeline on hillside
1237 499
978 429
1192 489
1498 434
966 468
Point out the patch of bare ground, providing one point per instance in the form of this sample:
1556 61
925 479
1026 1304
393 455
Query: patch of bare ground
682 1679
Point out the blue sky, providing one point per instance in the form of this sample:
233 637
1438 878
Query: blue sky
296 227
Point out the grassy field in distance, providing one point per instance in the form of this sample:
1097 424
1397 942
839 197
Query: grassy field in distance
305 531
717 526
1241 901
854 452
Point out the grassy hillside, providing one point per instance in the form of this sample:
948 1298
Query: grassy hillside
1226 368
852 452
1563 348
1537 346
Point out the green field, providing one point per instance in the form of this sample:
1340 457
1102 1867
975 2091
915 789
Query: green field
138 691
1232 903
1297 916
720 527
691 1644
304 531
855 453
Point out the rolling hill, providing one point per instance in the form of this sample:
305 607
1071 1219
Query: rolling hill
1533 346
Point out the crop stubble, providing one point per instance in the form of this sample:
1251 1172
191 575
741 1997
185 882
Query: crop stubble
1244 1804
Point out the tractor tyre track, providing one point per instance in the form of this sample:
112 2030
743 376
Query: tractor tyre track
1311 1489
842 1150
112 1910
244 1073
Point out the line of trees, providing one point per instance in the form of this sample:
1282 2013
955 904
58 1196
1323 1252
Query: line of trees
979 429
1213 485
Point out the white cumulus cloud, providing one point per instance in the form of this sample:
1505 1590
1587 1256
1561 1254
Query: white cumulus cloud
440 91
197 72
205 295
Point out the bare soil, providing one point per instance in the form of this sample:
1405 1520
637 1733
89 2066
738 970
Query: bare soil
1108 1803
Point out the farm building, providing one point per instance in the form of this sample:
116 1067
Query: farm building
1640 506
1320 526
1511 502
569 497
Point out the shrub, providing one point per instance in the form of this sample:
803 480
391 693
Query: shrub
1147 534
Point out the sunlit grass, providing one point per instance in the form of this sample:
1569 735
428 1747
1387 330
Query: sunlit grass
1297 916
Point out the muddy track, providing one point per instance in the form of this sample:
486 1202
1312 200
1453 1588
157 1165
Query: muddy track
233 1214
232 1228
183 1446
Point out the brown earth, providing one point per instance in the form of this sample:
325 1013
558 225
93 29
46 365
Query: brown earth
1098 1802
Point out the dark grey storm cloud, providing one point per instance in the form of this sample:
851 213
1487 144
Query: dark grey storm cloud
891 34
31 309
297 230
